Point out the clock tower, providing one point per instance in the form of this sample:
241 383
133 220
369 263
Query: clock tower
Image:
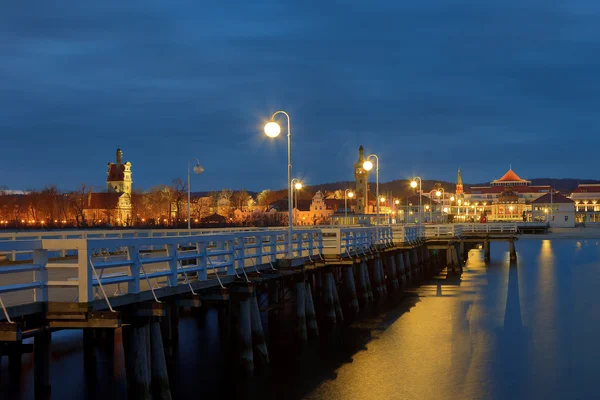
362 178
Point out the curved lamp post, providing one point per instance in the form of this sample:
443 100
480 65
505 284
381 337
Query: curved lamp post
297 185
440 194
272 130
368 165
347 193
413 184
197 170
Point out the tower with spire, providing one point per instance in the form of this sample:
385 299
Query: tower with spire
119 175
362 178
459 184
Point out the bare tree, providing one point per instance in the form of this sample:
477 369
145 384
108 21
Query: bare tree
77 202
240 199
179 191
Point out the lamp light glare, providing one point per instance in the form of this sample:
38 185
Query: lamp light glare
272 129
368 165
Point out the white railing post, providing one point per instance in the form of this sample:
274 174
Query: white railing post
231 251
240 254
40 258
84 273
13 253
258 242
134 257
172 254
201 260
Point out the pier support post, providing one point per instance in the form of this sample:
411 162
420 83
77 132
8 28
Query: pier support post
368 279
512 250
245 335
377 278
449 259
89 352
318 285
391 268
336 301
400 268
328 301
457 258
407 267
301 309
137 363
41 365
15 361
311 317
350 286
486 251
414 262
158 364
362 282
259 344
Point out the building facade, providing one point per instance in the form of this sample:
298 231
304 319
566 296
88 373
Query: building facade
586 198
554 208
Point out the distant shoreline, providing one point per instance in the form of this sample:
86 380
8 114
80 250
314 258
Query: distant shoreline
566 233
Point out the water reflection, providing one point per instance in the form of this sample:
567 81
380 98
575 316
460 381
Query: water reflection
523 331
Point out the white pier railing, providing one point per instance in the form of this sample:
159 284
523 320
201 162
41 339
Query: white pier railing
104 268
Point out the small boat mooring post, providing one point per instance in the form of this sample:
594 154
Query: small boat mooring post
512 250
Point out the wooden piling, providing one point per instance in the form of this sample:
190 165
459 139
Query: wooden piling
414 262
350 286
15 361
259 345
336 301
328 300
391 271
158 364
362 283
41 365
400 268
377 278
368 280
486 251
301 310
408 267
245 335
137 363
89 353
311 317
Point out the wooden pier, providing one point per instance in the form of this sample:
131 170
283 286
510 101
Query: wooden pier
138 285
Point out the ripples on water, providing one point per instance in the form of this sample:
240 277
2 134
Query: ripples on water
529 331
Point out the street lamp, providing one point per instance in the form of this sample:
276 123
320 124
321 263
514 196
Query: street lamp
440 193
347 193
458 208
272 130
297 185
197 170
413 184
368 165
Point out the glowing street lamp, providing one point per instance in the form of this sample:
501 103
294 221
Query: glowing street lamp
347 193
197 170
272 130
413 184
440 193
368 165
297 185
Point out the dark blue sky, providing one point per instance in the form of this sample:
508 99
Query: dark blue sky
428 85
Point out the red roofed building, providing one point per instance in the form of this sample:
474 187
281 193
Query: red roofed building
505 199
553 208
